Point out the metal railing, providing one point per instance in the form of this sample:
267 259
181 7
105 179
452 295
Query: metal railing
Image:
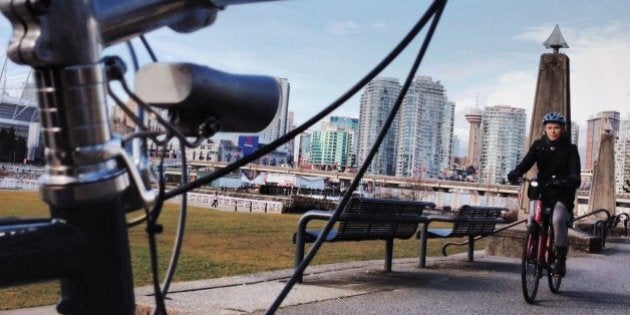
600 228
513 224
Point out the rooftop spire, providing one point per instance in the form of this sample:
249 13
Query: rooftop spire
555 40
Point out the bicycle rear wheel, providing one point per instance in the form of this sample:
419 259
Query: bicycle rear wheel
530 268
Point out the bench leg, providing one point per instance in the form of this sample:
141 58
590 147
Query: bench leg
299 254
471 247
389 249
422 250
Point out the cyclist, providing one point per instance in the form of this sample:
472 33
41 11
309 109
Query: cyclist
558 165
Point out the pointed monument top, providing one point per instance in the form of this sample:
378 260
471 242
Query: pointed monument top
555 40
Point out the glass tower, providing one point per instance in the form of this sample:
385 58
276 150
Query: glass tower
502 142
425 133
377 100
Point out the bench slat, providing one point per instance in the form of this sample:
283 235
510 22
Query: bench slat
380 230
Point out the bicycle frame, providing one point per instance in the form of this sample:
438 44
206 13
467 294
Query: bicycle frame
90 180
542 219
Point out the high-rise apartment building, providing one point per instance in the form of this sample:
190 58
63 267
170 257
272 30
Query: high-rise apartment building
349 125
502 142
279 125
594 129
622 156
377 100
329 148
304 149
289 147
448 143
575 133
425 132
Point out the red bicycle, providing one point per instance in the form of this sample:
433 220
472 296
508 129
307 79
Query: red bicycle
539 256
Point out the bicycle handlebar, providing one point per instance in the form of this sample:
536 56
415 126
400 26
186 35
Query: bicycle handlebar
45 33
199 97
533 181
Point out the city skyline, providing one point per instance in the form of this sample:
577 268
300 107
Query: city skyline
323 47
419 143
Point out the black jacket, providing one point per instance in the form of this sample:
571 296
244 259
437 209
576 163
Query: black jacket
557 161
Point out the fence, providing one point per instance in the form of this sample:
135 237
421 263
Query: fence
18 183
226 203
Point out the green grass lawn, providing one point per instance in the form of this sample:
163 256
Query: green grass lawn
216 244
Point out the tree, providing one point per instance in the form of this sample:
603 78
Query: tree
4 145
20 150
12 148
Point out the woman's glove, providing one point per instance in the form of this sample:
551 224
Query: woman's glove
514 177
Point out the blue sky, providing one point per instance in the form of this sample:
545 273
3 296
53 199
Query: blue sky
483 47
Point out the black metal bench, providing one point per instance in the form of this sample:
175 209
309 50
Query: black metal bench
470 221
364 219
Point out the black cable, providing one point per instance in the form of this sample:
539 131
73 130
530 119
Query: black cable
137 121
179 239
125 109
293 133
184 180
435 11
152 229
134 58
151 216
145 135
148 48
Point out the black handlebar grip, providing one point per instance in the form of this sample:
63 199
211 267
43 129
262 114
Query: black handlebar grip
193 94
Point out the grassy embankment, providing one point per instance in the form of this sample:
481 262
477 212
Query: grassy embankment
216 244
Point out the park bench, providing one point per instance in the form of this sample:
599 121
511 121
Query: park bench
468 221
364 219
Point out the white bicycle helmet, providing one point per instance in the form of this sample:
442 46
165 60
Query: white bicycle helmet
554 117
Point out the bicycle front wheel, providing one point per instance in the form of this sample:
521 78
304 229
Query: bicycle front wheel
530 267
553 278
554 282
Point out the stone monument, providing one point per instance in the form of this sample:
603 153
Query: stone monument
603 184
552 95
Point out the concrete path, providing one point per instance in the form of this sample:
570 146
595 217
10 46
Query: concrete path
595 284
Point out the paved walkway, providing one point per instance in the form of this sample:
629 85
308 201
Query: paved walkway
595 284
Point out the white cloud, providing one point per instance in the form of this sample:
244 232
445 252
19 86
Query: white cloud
515 89
600 77
535 34
468 69
380 26
342 27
